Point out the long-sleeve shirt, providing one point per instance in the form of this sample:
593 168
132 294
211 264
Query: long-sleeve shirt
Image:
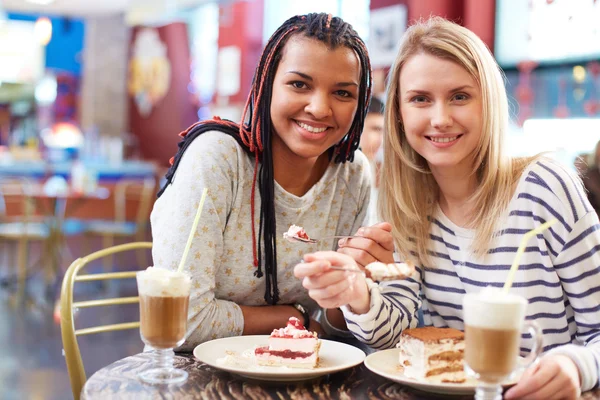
559 273
220 260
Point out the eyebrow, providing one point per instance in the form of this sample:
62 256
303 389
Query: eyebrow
310 79
453 90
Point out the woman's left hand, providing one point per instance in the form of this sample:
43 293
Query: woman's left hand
554 377
375 244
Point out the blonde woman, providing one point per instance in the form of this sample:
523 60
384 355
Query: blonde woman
460 206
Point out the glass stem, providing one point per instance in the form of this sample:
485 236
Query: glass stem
488 392
164 358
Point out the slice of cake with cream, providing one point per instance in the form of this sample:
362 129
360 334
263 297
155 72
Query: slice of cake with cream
292 346
380 272
296 232
433 354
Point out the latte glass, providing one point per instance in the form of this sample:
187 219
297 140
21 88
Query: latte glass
494 321
164 298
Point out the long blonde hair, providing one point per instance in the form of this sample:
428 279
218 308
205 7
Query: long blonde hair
409 193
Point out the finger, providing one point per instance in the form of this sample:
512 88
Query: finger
555 389
377 252
305 269
331 293
361 257
333 257
386 226
379 236
325 279
533 381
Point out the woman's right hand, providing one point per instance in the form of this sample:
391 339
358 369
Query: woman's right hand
333 288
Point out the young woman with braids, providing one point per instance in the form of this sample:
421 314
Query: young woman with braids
293 160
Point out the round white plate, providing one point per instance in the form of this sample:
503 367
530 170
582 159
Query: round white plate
385 363
236 355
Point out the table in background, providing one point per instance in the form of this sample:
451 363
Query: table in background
119 380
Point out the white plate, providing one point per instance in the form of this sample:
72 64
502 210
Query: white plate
385 363
236 355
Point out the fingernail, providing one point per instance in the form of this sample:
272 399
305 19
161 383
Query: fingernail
360 232
341 242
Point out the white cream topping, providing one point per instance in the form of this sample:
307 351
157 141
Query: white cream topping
494 309
290 331
160 282
311 129
293 231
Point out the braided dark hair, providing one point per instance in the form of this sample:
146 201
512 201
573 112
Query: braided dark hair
254 132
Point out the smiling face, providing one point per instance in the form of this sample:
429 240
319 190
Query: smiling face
441 109
314 100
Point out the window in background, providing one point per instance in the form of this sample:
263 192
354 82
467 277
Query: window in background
548 32
355 12
565 139
203 28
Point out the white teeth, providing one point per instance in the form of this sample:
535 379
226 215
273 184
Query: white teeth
444 139
311 129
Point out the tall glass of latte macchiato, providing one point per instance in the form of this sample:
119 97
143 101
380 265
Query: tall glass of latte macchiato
164 298
494 320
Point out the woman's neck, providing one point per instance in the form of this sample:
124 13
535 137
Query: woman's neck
456 190
298 176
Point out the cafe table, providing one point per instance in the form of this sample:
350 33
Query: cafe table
119 381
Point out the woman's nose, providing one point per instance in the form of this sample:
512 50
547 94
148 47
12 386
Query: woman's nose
441 118
319 106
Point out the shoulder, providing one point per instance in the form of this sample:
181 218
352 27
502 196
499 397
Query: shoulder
553 186
357 172
212 153
214 142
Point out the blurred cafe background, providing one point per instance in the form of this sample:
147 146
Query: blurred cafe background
94 93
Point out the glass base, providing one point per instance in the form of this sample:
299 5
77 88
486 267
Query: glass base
160 376
161 370
488 392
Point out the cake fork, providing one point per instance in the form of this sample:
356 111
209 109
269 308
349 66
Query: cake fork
313 240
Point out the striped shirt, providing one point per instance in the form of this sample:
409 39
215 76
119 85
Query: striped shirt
559 273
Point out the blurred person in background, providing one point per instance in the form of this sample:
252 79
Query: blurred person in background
370 144
372 134
591 180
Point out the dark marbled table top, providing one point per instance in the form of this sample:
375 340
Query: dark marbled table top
119 381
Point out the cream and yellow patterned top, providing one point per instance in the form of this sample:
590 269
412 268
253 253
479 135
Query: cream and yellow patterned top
220 259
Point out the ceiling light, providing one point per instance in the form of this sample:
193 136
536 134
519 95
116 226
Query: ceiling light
41 2
43 30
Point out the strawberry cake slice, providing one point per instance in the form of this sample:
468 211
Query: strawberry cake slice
296 231
292 346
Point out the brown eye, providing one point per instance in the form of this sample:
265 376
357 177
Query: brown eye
298 84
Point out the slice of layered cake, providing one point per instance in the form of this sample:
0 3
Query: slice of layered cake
380 272
292 346
433 354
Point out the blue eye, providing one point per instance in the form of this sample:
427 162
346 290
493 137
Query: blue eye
461 97
419 99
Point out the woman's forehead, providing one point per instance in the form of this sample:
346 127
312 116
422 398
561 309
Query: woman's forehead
314 56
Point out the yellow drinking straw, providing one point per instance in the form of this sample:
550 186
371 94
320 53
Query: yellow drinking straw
521 250
194 226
